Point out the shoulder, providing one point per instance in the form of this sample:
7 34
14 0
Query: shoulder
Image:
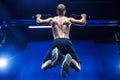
55 17
71 19
65 17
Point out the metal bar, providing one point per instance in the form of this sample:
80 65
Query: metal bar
32 22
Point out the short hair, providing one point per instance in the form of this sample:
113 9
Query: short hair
61 7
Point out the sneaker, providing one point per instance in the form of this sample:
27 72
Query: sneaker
65 65
54 56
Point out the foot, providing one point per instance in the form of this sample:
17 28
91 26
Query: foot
65 65
54 57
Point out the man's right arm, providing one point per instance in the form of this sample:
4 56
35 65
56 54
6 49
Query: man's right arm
39 20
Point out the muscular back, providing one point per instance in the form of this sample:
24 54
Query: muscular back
61 24
60 27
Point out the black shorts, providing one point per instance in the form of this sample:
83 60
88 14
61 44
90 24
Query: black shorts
65 46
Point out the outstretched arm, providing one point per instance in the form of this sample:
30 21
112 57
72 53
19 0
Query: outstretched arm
39 20
81 21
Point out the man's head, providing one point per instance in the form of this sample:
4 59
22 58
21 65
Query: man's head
61 10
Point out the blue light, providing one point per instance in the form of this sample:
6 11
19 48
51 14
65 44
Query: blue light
3 63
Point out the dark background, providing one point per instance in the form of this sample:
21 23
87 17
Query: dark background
25 9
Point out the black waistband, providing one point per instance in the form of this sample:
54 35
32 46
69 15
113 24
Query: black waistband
62 38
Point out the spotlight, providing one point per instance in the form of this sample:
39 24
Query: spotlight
3 63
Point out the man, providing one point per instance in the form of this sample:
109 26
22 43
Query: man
61 50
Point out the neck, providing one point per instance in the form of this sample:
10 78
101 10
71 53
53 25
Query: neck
60 15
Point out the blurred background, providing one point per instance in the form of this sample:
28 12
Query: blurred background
24 9
22 48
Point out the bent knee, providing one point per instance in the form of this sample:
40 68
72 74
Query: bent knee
75 65
79 68
43 67
46 65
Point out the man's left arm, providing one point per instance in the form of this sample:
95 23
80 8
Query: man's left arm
81 21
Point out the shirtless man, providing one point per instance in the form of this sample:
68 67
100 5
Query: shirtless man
61 50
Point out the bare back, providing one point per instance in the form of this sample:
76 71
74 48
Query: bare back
60 27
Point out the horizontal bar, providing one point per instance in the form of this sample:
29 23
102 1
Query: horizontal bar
32 22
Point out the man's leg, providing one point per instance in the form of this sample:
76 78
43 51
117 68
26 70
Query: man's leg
67 62
46 65
51 59
67 49
75 65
